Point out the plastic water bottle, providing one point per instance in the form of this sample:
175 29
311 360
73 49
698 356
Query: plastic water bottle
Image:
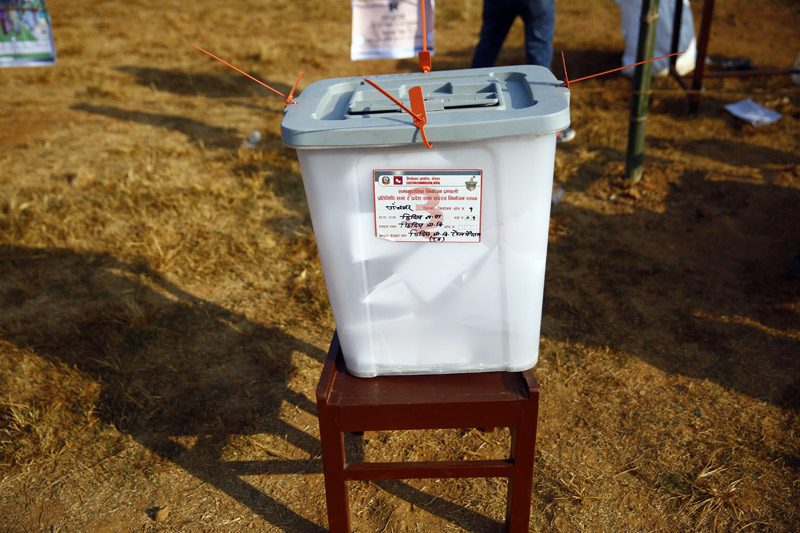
253 138
558 195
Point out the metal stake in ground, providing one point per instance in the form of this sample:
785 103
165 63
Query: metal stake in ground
643 76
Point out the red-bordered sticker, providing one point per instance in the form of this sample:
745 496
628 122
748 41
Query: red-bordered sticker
428 205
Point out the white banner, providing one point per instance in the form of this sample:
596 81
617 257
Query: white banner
390 29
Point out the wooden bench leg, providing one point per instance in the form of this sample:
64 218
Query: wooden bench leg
335 484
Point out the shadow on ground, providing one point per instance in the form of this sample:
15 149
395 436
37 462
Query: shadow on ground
173 366
198 132
698 285
226 85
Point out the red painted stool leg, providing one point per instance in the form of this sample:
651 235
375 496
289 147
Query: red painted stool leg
335 484
523 450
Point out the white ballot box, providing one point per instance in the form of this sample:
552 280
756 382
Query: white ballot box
433 258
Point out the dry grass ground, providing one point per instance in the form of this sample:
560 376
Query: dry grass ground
163 316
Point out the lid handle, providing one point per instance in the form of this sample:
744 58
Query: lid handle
417 112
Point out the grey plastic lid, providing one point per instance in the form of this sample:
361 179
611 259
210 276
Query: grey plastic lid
462 105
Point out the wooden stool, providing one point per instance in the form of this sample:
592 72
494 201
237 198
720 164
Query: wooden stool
476 400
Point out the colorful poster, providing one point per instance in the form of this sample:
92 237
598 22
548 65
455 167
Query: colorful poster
390 29
26 36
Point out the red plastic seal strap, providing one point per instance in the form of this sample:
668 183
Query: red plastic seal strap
420 114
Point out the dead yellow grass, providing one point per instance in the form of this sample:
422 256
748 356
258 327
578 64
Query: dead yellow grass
163 315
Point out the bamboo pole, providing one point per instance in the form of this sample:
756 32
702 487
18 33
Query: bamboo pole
642 79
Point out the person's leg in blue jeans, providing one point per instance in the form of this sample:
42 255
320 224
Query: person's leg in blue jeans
539 17
498 16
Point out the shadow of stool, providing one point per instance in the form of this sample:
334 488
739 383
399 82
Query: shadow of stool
348 404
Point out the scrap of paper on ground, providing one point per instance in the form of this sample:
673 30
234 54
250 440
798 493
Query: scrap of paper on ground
755 114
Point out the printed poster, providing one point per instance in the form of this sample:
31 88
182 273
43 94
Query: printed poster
26 36
390 29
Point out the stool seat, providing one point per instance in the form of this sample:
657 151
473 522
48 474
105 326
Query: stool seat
486 400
